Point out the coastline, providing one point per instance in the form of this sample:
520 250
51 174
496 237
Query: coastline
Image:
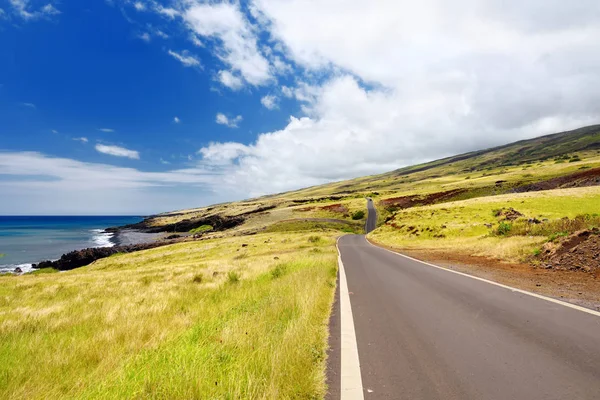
124 237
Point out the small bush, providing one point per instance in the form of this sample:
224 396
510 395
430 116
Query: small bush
503 229
537 252
360 214
314 239
278 271
233 277
197 278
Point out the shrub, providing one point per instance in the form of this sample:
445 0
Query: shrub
314 239
197 278
278 271
233 277
360 214
503 229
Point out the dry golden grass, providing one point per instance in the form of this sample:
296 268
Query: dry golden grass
209 319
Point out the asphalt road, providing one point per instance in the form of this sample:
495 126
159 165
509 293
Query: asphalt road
427 333
371 223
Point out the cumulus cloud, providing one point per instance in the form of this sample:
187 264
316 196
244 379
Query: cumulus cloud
106 130
185 58
223 119
226 23
230 80
81 139
269 102
391 83
176 120
117 151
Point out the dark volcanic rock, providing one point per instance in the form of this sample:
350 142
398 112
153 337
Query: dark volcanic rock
80 258
216 221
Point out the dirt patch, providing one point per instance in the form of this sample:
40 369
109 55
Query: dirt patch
579 179
305 209
336 208
509 214
579 251
421 200
576 287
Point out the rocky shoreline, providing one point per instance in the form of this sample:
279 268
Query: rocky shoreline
143 235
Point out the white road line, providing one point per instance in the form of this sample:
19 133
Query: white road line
539 296
351 387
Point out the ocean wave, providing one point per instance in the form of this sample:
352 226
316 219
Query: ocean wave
11 268
102 238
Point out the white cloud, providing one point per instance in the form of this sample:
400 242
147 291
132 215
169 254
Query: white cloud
226 23
185 58
392 83
223 153
139 6
23 10
269 102
176 120
91 188
230 80
29 105
54 131
117 151
223 119
81 139
194 39
144 36
106 130
160 34
168 12
287 91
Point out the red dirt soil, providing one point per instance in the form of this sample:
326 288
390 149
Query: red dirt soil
421 200
580 251
579 179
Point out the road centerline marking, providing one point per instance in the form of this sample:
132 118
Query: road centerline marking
351 387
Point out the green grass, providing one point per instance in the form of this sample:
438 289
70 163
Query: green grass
184 321
299 226
202 229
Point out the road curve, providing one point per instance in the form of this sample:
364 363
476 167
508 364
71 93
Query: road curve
427 333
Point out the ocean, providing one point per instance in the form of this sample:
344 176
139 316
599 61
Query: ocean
26 240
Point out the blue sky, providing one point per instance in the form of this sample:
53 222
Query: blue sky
144 106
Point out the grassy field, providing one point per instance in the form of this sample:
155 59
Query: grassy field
229 318
479 226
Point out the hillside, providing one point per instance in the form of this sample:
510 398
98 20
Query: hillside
566 159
